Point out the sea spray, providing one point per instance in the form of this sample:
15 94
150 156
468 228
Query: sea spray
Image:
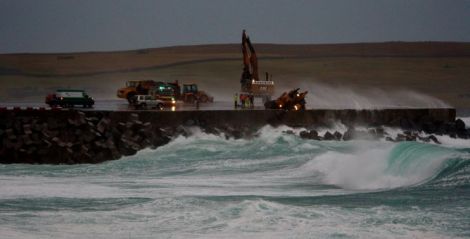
324 96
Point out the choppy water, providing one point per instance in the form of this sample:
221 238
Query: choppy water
273 186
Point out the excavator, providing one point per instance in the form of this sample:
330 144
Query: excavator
250 82
251 85
292 100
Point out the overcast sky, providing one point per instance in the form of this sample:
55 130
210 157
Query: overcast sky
103 25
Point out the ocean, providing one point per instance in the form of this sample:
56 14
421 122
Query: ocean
275 185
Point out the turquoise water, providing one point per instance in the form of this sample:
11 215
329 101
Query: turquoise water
273 186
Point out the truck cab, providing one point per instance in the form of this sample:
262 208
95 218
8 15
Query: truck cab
165 92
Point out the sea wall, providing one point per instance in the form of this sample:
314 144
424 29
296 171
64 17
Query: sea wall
73 136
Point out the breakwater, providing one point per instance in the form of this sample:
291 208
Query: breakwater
73 136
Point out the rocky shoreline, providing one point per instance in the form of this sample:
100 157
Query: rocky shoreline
74 137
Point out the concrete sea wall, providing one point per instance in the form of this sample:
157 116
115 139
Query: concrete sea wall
73 136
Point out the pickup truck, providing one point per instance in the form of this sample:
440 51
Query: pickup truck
146 101
69 98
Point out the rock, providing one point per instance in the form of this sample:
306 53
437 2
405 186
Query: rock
462 134
352 133
27 129
400 137
52 123
380 132
434 139
424 139
121 126
180 130
460 125
461 130
349 134
312 134
236 134
87 136
103 124
134 117
328 136
72 121
449 128
211 130
388 138
411 138
303 134
147 126
429 127
92 120
338 135
288 132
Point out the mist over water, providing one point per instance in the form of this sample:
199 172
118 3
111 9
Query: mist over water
322 96
273 186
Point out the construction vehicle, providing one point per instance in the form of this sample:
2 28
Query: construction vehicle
292 100
191 93
147 101
250 81
167 92
134 88
69 98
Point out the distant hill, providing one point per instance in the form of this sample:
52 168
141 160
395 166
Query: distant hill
91 63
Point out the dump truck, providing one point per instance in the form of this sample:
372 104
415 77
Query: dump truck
134 88
292 100
250 81
69 98
166 91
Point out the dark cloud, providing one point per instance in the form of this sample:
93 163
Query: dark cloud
87 25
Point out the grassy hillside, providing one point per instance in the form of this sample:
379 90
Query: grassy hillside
102 62
441 70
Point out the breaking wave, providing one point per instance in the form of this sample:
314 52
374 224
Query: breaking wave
274 185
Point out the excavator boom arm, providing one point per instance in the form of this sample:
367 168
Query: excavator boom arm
253 61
